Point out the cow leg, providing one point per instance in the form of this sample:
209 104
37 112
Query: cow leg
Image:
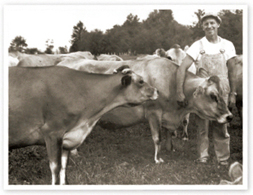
174 134
154 119
241 114
54 150
240 110
64 162
168 144
185 127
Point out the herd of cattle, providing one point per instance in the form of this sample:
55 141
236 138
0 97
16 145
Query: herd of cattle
56 100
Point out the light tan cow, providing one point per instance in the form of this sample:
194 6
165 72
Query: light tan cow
177 55
12 61
160 73
51 59
105 57
58 107
160 52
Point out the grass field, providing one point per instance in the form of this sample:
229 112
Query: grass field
125 156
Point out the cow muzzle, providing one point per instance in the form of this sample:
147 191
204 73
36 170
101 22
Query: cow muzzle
155 94
226 118
229 118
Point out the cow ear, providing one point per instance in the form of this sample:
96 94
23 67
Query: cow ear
203 73
126 80
214 79
198 91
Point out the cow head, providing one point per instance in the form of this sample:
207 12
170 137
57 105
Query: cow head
209 102
136 90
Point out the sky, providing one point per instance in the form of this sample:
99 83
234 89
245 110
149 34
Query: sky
39 23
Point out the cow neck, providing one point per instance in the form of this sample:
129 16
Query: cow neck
192 82
106 95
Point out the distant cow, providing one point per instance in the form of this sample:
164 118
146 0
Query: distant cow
31 60
177 55
58 107
239 86
12 61
186 48
161 73
18 55
160 52
147 57
105 57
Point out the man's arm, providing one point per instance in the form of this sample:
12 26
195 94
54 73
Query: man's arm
232 77
187 62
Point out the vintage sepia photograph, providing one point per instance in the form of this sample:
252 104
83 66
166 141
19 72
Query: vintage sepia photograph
125 97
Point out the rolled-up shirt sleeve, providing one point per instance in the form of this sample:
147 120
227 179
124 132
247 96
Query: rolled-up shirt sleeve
230 50
193 50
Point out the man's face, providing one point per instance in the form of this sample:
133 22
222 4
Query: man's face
210 26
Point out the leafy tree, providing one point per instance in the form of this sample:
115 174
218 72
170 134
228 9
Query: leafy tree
50 46
231 28
18 44
165 30
182 35
159 30
118 39
197 31
33 51
79 32
159 19
63 50
73 47
131 27
96 42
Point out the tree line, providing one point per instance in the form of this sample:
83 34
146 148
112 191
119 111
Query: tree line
159 30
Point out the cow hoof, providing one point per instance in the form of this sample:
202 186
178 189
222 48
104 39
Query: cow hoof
185 139
74 153
159 161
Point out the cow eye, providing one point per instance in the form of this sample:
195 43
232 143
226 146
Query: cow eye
214 97
141 82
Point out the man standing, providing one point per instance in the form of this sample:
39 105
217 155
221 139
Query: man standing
212 55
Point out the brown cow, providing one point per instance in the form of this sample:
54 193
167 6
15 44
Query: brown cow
31 60
105 57
161 73
239 86
58 107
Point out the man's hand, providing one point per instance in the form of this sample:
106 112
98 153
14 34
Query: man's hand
231 100
181 101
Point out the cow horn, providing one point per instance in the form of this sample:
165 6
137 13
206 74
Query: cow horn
120 69
126 71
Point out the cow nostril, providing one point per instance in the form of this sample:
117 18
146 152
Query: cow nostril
229 118
157 91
